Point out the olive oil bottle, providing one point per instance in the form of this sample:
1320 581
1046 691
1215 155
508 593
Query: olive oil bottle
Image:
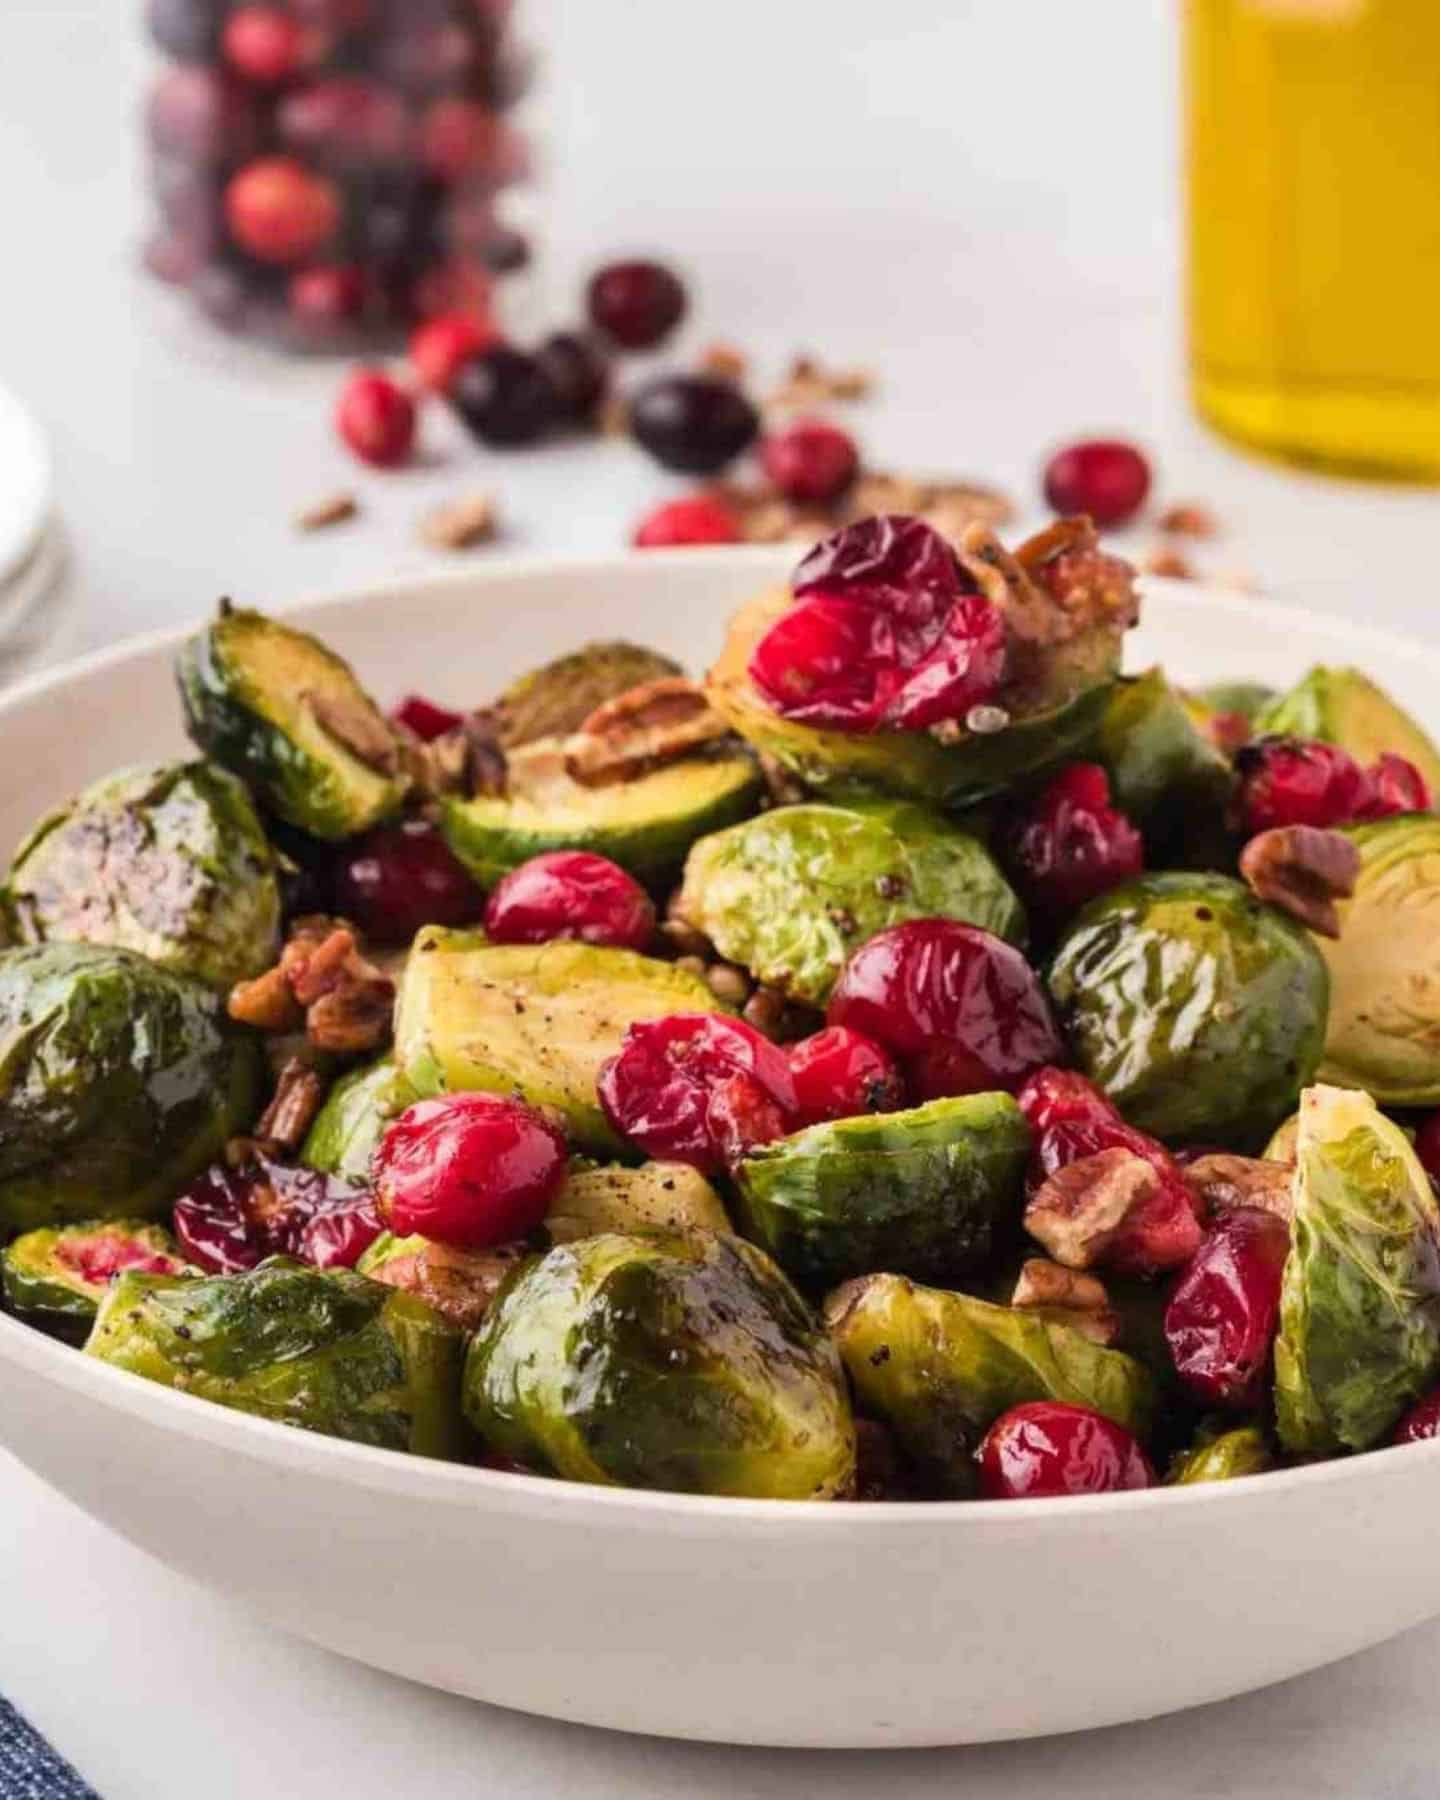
1314 206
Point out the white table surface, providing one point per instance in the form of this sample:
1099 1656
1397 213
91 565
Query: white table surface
977 200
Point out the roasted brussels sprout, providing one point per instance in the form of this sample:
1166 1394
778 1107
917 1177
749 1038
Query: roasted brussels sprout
350 1123
1344 707
121 1080
1360 1302
658 1196
1163 773
1221 1456
169 860
536 1020
325 1351
277 708
1200 1011
939 1368
56 1279
459 1284
556 699
790 894
677 1361
926 1192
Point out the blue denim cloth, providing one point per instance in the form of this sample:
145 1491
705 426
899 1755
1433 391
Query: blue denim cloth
30 1769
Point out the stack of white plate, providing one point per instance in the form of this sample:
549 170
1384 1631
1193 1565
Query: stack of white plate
32 554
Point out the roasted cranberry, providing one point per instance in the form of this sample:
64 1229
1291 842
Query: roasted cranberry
457 138
578 373
185 29
1420 1423
397 878
656 1092
839 1074
376 418
811 462
346 122
1104 478
570 894
471 1170
636 304
440 345
740 1116
1046 1449
697 519
693 423
196 113
1296 781
109 1252
264 44
504 397
327 296
1221 1321
1070 844
961 1009
232 1219
280 211
427 720
1397 786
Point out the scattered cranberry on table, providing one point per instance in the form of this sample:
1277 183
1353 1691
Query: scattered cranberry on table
695 520
504 397
1222 1318
280 211
578 372
810 461
840 1074
1047 1449
397 878
327 295
440 345
376 418
636 304
694 424
1105 478
229 1220
570 894
427 720
1421 1423
1069 843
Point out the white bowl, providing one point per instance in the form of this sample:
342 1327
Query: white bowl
744 1621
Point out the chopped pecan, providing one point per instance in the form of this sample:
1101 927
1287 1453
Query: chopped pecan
298 1097
334 509
1303 870
1165 559
267 1003
343 1000
353 1018
1221 1181
723 360
469 760
459 524
1080 1210
356 725
807 383
641 730
1067 1298
1189 519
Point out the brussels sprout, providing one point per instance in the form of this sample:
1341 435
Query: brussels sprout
326 1351
917 765
350 1123
118 1081
1200 1011
553 701
1248 698
459 1284
939 1368
790 894
1360 1301
275 706
169 860
1344 707
1222 1456
925 1192
536 1020
658 1196
645 824
1163 772
677 1361
56 1279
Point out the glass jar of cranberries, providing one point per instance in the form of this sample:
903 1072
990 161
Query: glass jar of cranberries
328 173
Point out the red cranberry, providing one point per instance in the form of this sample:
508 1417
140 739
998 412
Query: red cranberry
578 373
504 397
961 1009
198 114
280 211
456 285
811 462
376 418
327 296
232 1219
656 1092
1046 1449
1222 1317
1420 1423
1106 479
1294 781
427 720
397 878
346 122
1071 844
264 44
636 304
697 519
839 1074
693 423
570 894
1397 787
457 138
740 1116
472 1170
110 1252
440 345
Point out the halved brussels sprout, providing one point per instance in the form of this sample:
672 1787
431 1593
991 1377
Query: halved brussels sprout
645 824
326 1351
1222 1456
1199 1011
169 860
118 1081
925 1192
1163 772
1360 1302
792 893
939 1368
277 708
678 1361
1344 707
459 1284
536 1020
556 699
351 1122
658 1196
56 1279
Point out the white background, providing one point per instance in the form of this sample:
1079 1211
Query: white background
977 198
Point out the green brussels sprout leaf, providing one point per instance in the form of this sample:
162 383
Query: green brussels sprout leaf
350 1124
1221 1455
1344 707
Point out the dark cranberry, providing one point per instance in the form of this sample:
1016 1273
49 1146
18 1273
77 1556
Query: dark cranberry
1046 1449
839 1074
1070 844
471 1170
188 30
1104 478
397 878
427 720
657 1091
504 397
811 462
504 251
196 113
280 211
457 139
425 58
961 1009
264 44
891 561
232 1219
376 418
346 122
578 373
570 894
636 304
1421 1423
328 296
440 345
693 423
1296 781
1397 787
697 519
1221 1321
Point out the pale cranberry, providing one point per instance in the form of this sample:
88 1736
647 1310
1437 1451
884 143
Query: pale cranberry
636 304
264 44
376 418
280 211
473 1170
1397 786
346 122
427 720
1070 844
457 139
1047 1449
199 114
1107 479
570 894
397 878
1297 781
1221 1321
440 345
327 296
839 1074
1421 1423
697 519
810 462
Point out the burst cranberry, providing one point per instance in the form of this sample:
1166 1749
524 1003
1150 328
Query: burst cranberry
697 519
657 1091
1104 478
376 418
578 372
397 878
1294 781
636 304
346 122
1420 1423
570 894
693 424
232 1219
457 138
264 44
1071 844
440 345
1221 1321
199 114
504 397
329 295
280 211
839 1074
109 1252
740 1116
1397 786
427 720
472 1170
811 462
961 1010
1046 1449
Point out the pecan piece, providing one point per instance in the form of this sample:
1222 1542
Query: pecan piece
1221 1181
267 1003
352 1018
1066 1297
642 730
298 1097
355 724
1080 1210
1303 870
469 760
